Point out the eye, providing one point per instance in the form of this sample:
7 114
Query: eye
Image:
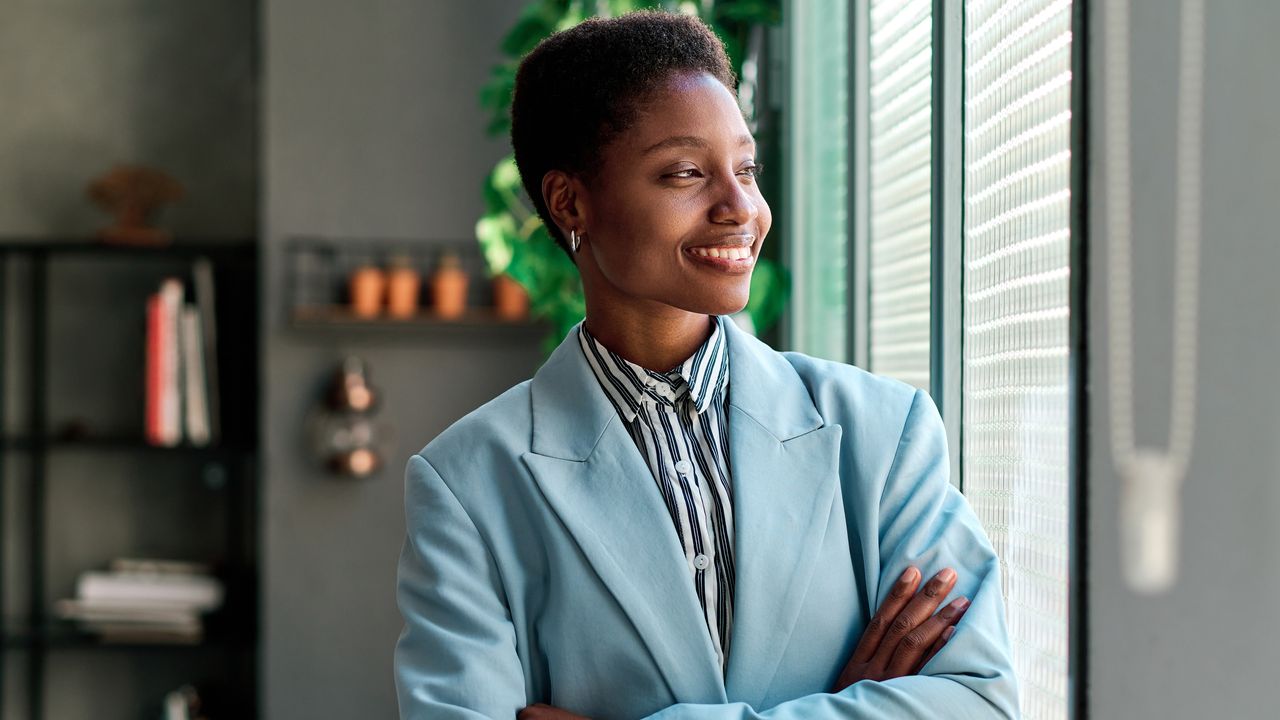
753 170
686 174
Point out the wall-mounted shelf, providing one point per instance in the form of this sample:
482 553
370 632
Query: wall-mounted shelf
339 317
317 299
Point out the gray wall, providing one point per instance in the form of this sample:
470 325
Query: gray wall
370 130
1209 648
91 83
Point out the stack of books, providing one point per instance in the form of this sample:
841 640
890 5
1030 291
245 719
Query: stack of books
181 362
144 601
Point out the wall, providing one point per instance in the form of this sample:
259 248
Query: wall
371 129
1208 648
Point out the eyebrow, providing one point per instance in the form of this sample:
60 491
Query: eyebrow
691 141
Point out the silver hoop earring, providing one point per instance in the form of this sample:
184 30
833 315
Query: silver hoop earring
575 241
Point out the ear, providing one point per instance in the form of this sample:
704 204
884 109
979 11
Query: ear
566 201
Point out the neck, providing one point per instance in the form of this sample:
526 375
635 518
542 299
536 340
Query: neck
657 339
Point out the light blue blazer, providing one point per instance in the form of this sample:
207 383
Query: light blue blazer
541 566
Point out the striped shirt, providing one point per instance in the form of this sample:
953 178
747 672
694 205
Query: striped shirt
679 422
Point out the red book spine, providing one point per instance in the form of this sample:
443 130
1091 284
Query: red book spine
154 370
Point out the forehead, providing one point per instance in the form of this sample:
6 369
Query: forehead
688 104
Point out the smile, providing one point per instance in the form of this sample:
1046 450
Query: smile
731 260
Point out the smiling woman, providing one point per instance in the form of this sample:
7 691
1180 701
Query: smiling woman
671 519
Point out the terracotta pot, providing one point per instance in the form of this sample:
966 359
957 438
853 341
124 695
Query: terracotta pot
367 286
449 288
510 299
403 284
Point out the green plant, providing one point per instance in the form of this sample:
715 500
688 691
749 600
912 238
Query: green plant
512 235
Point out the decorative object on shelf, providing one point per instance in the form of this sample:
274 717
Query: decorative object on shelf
449 287
511 234
344 432
367 287
404 283
133 193
510 299
183 704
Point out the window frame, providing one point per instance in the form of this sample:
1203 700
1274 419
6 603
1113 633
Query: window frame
947 264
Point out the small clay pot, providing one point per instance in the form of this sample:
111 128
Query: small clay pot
403 284
449 288
367 286
510 299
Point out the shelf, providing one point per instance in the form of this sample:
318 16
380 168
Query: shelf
67 636
117 444
339 317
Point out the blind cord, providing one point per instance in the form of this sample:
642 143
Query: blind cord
1151 478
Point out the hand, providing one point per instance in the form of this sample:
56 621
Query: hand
905 633
542 711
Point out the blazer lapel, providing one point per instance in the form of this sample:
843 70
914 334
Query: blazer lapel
784 463
593 477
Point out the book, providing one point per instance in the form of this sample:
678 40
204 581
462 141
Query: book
202 281
194 390
170 400
154 370
201 592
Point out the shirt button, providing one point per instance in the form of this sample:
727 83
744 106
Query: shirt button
684 467
701 562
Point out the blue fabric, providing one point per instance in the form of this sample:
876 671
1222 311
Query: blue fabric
538 569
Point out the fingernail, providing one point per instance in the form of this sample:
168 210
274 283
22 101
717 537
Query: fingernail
910 575
954 608
947 575
946 634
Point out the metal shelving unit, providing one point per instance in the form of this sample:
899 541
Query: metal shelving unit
230 465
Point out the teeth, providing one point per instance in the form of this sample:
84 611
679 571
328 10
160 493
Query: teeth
726 253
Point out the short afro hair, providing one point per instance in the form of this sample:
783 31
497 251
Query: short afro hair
581 87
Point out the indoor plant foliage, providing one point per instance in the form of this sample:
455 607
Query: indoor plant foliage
512 235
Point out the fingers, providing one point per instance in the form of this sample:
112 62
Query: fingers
898 598
937 646
920 609
920 641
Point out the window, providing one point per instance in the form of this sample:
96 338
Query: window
955 273
899 161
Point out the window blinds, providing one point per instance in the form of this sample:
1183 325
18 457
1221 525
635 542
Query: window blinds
1016 310
899 176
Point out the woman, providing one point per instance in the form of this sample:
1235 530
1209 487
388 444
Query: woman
671 519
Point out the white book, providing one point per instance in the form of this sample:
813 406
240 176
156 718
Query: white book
200 592
195 400
126 611
202 277
170 397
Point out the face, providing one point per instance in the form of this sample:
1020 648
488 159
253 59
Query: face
674 218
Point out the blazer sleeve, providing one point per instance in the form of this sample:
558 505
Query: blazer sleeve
456 657
924 521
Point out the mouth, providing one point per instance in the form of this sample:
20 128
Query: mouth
733 257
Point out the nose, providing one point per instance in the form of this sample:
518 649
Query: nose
734 205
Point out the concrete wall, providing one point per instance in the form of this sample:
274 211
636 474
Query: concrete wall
371 129
1208 648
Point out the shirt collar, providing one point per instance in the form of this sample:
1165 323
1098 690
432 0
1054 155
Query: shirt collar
701 377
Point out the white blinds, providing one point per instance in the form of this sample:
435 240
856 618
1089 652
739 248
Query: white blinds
899 187
1016 308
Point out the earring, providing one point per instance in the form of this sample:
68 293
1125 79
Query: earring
575 241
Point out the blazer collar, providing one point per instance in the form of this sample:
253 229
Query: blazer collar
571 411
